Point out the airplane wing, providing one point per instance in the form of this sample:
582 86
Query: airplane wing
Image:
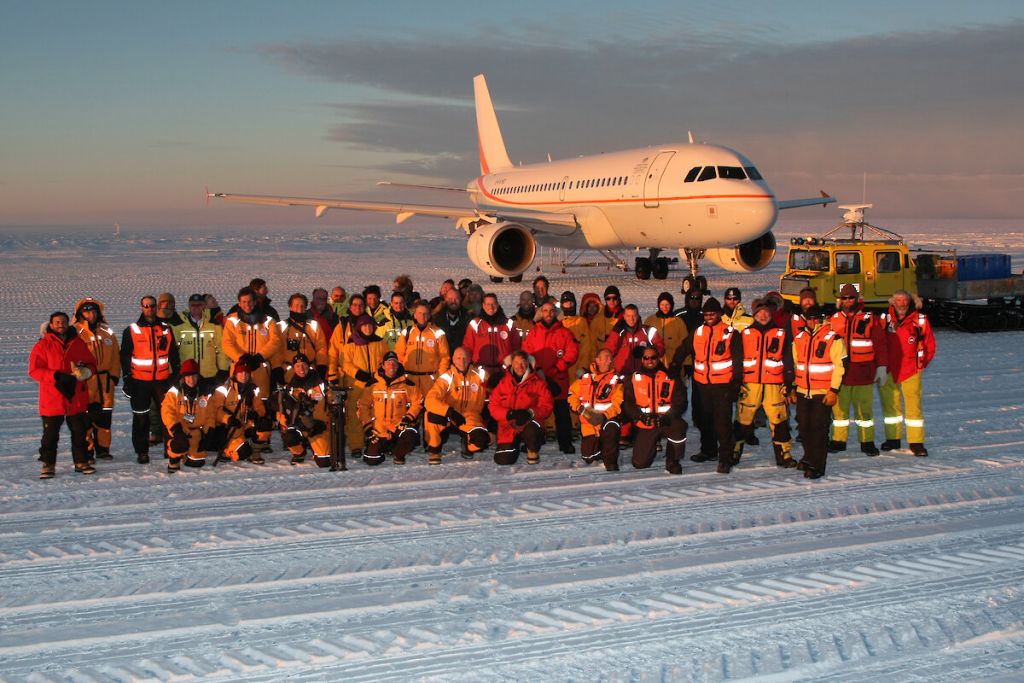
812 201
541 221
388 183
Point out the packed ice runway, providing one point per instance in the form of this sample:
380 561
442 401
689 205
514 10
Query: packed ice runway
891 568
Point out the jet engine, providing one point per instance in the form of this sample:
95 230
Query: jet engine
502 249
746 257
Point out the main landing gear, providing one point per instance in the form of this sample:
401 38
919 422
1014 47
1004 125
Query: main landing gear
655 265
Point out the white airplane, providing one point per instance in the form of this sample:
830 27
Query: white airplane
702 199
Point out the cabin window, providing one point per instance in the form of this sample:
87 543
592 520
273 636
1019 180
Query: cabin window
752 173
808 259
847 262
707 174
887 261
731 172
692 175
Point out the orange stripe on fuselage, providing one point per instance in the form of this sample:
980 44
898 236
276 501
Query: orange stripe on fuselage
502 200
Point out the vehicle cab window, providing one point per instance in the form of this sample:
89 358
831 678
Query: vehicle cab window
847 262
887 262
808 259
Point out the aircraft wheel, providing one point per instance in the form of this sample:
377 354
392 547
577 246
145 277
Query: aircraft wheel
496 279
516 278
660 269
642 268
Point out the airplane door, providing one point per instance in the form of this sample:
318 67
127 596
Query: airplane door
653 180
561 191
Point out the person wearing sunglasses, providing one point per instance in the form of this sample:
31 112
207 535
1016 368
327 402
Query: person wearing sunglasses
149 365
733 312
863 332
611 313
655 402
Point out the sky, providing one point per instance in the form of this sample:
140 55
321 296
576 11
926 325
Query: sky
124 111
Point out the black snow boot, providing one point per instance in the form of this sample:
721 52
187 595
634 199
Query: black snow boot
868 448
836 446
891 445
143 458
47 472
919 450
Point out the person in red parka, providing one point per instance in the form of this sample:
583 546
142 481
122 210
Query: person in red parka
492 336
520 403
629 338
62 364
555 350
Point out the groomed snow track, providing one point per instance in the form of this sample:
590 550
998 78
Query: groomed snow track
892 568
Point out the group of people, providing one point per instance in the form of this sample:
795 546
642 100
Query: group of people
407 369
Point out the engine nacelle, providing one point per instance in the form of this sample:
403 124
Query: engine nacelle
745 258
502 249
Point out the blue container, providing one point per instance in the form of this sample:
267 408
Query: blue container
982 266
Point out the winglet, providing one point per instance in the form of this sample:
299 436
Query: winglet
493 156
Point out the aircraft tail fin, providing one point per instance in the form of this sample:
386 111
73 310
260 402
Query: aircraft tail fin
493 156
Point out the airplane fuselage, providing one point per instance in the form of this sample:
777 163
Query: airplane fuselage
657 197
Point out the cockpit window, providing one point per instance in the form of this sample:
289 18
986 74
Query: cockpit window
732 172
692 175
707 174
808 259
753 173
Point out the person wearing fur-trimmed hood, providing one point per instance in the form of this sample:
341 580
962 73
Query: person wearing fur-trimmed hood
62 364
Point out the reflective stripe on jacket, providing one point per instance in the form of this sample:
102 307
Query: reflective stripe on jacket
763 354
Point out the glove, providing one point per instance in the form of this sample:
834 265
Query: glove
178 430
319 427
455 417
593 417
649 420
791 396
364 377
179 443
372 437
258 359
831 398
405 423
881 375
81 372
519 417
65 384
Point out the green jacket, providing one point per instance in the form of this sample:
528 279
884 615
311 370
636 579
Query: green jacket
202 344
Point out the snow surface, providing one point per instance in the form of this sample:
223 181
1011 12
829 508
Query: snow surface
892 568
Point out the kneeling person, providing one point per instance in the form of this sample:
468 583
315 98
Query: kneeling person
597 399
237 405
303 414
187 417
388 410
520 403
455 402
655 402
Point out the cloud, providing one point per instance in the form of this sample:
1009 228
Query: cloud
912 104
